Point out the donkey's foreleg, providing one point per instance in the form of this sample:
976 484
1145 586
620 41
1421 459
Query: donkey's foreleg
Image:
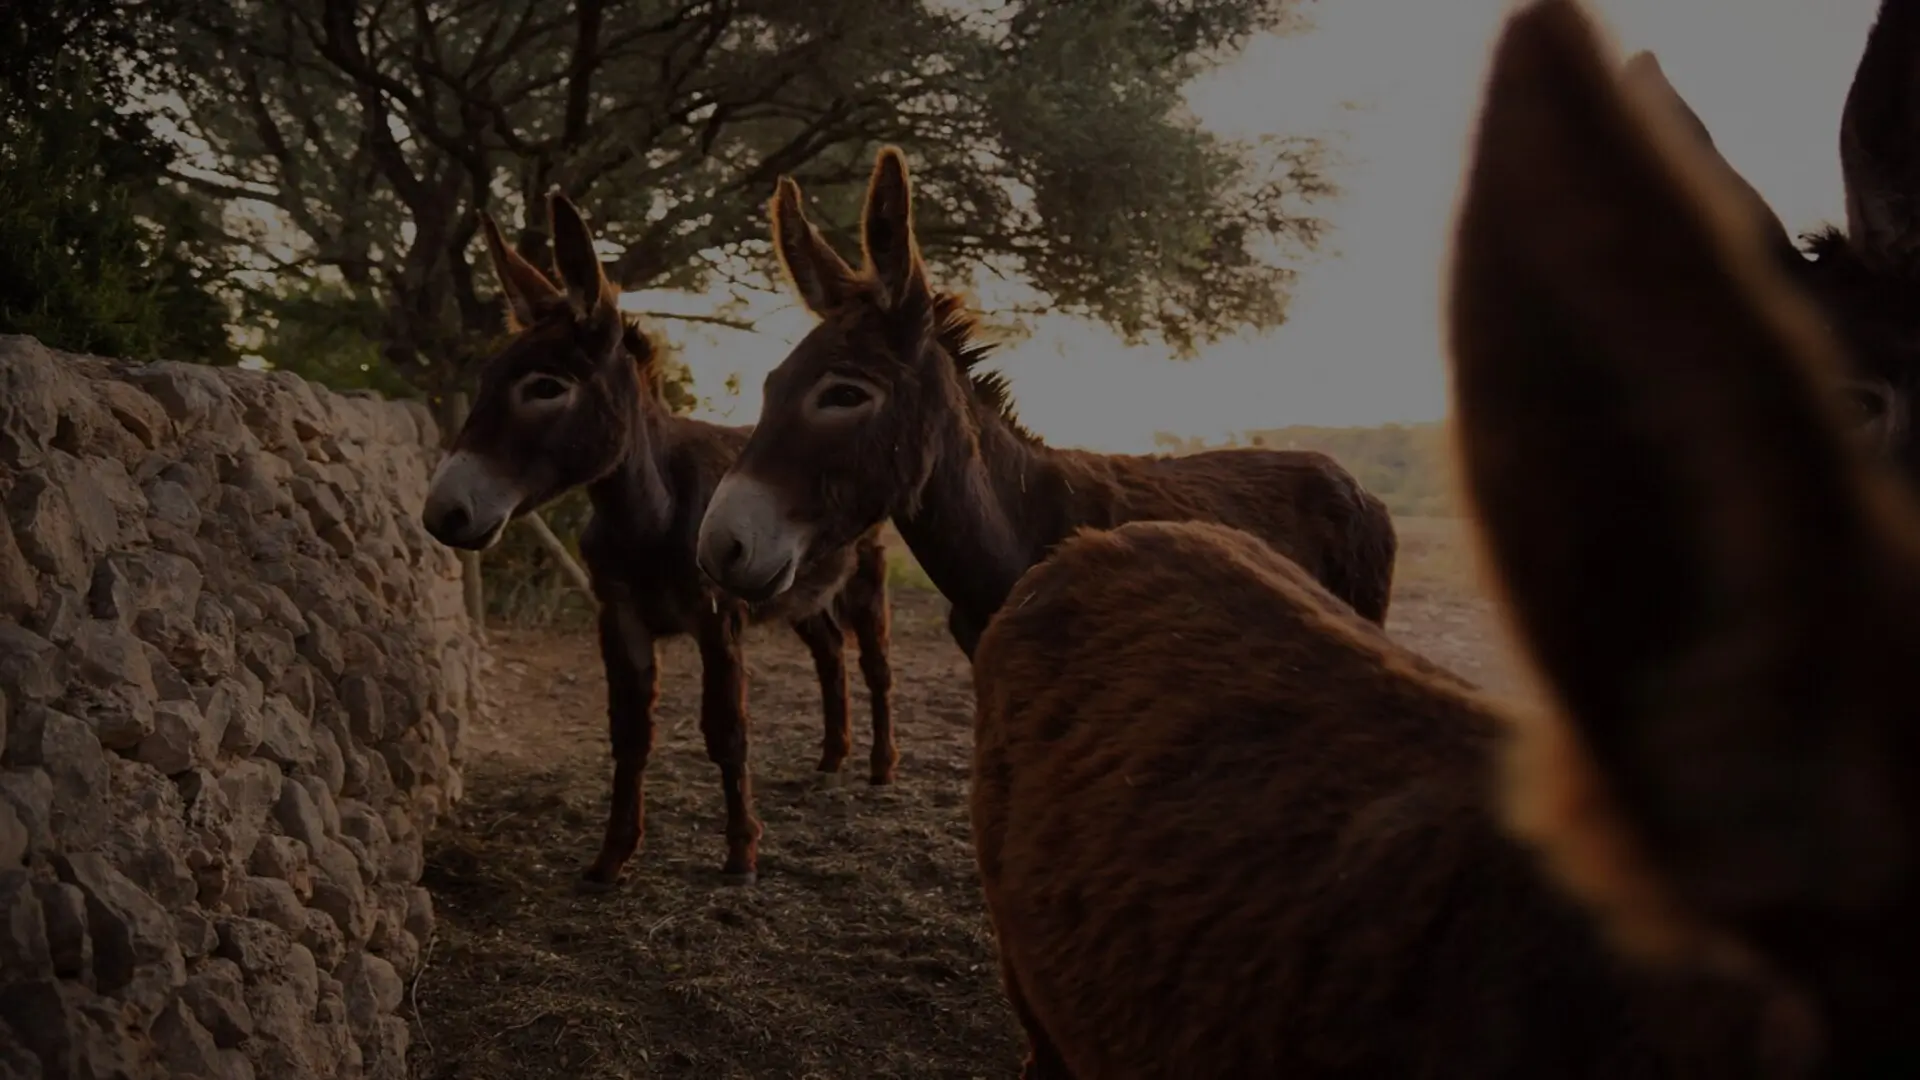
723 721
633 685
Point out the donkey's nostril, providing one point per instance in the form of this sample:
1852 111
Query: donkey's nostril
736 551
455 520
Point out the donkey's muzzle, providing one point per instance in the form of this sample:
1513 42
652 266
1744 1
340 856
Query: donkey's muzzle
468 502
746 545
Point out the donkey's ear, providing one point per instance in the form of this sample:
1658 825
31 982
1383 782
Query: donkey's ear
819 274
522 283
886 231
1880 141
1709 574
588 290
1643 76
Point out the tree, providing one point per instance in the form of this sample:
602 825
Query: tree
1047 139
97 254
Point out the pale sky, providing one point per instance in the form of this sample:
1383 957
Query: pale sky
1393 84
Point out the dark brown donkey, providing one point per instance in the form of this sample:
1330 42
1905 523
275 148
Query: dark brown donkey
572 400
1227 829
881 411
1865 277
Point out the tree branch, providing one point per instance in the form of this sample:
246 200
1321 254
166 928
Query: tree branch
586 58
709 320
560 553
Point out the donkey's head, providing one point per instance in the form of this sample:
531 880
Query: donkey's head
1867 279
558 406
844 436
1718 580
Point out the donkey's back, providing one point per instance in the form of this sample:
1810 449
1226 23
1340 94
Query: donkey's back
1139 918
1301 502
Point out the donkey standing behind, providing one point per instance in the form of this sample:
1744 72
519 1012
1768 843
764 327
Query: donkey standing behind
573 399
880 411
1226 829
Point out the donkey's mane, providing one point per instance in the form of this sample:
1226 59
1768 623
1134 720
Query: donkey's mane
1824 241
1835 267
639 345
633 338
958 330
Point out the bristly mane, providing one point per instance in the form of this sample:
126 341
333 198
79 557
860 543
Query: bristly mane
1837 269
957 329
1840 268
639 345
1825 243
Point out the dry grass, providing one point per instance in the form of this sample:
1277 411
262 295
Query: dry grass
1436 557
862 952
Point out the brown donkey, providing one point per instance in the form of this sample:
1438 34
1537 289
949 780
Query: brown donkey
1863 278
880 411
1227 829
573 400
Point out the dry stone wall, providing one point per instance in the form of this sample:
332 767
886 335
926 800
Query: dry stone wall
234 673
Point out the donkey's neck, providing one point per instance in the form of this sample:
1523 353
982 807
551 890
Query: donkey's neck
635 499
971 531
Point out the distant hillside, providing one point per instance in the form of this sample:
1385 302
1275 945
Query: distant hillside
1407 465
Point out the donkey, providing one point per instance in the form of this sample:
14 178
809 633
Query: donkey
881 410
1862 276
573 399
1226 828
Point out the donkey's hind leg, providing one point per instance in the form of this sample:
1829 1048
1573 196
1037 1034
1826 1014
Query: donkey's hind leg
1043 1061
864 608
827 641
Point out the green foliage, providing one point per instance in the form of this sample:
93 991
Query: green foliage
903 570
1047 138
1169 231
325 333
1409 466
95 255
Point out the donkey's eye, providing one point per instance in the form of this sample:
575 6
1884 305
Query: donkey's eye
544 388
842 396
1861 406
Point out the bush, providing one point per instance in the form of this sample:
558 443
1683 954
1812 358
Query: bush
95 252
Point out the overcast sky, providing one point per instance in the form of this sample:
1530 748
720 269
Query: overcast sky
1393 84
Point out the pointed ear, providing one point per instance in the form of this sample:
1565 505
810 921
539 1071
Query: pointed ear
1880 141
1642 76
1711 578
588 290
886 231
523 285
821 277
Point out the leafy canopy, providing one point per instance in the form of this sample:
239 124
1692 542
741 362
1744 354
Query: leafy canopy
97 254
1047 138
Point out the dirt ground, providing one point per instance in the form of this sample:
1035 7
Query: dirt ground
863 950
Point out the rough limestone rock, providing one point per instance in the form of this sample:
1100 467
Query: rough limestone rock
234 676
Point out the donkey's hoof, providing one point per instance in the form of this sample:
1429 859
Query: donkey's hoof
829 779
880 779
605 872
596 880
739 878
